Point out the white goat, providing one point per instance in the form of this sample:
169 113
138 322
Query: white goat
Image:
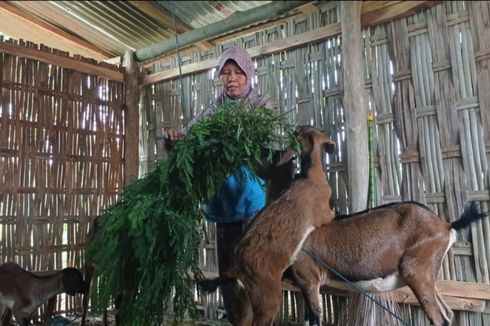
382 249
277 233
22 292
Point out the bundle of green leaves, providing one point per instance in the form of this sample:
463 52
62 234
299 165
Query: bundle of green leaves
146 252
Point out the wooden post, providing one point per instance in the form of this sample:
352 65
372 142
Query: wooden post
131 143
354 106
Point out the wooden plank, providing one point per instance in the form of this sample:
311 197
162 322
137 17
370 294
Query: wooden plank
469 296
457 295
62 61
470 290
375 15
370 10
232 23
370 6
292 42
256 52
406 296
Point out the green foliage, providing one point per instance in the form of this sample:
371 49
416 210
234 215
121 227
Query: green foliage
147 249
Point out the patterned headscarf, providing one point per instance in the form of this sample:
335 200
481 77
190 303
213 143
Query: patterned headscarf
251 96
242 59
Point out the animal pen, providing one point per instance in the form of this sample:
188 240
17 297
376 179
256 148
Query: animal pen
67 144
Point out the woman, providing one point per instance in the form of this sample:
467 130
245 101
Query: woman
238 200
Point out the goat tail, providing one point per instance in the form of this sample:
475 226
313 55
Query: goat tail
470 214
211 285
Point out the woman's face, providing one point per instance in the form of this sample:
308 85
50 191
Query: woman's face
234 79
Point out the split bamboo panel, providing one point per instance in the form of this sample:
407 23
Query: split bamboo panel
61 160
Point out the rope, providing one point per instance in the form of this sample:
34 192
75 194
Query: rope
179 59
372 162
357 288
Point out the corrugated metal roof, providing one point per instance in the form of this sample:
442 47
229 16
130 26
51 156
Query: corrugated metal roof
197 14
117 26
106 29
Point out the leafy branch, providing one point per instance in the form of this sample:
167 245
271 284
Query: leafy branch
146 252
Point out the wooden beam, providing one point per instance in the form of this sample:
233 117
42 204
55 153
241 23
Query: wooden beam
464 296
470 290
368 6
221 39
66 62
166 20
308 8
226 26
406 296
256 28
292 42
256 52
374 13
52 36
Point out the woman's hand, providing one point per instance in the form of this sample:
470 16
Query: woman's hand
171 137
174 135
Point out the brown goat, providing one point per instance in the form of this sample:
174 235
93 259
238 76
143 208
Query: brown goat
277 233
382 249
22 292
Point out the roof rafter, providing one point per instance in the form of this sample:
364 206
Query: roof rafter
232 23
10 15
166 20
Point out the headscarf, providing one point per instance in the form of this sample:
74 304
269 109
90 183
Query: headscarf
251 96
244 61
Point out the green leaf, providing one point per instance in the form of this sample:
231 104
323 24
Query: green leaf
148 243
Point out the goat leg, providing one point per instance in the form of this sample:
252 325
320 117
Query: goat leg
21 318
265 307
449 313
89 273
6 315
245 316
426 293
48 313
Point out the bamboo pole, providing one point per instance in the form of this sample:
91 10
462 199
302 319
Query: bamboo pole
372 200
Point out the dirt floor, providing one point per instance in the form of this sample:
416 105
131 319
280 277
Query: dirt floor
93 320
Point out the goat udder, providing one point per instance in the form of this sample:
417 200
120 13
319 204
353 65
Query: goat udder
381 284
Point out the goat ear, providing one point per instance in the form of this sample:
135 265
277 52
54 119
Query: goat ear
287 156
329 147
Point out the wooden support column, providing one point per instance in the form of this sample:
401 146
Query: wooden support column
354 105
131 143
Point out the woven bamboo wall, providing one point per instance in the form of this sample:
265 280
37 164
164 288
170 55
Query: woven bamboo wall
61 160
427 82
